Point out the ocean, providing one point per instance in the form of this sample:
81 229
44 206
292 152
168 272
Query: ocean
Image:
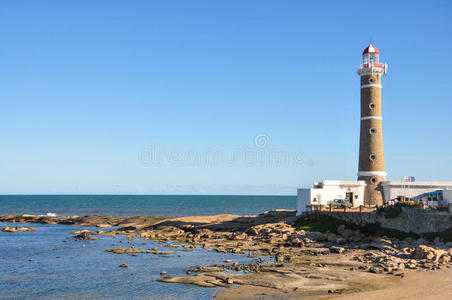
139 205
49 264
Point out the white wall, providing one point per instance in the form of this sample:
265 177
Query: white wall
303 199
447 196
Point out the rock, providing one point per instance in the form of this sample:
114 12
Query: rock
17 229
437 241
279 258
335 249
208 269
133 250
241 236
229 281
124 266
84 236
341 229
228 261
429 253
340 240
331 237
296 242
421 241
375 270
349 234
408 240
80 231
163 273
103 225
317 236
364 246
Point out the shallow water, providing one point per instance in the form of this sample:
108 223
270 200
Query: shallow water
83 270
139 205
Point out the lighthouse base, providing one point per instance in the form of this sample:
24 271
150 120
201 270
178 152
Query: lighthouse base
373 192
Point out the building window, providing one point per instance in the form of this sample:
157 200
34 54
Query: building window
372 131
371 106
372 157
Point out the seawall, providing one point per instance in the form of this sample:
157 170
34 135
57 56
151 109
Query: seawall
409 220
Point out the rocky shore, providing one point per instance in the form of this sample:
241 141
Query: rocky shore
305 262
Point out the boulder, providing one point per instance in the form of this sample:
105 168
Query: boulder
341 229
317 236
335 249
429 253
331 237
340 240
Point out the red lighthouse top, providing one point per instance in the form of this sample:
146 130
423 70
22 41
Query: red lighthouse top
371 49
371 62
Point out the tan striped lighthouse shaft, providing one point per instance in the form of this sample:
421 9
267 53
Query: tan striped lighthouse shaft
371 154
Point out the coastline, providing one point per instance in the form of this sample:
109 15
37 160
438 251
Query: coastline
306 264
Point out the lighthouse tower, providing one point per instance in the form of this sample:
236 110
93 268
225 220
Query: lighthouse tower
371 156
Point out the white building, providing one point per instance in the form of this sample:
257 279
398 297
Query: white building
417 190
323 193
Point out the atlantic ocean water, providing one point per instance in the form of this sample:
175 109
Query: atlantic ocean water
50 264
139 205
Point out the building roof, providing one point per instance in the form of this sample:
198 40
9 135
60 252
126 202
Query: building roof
343 183
429 184
371 49
437 192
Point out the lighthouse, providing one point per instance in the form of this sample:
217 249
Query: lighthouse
371 154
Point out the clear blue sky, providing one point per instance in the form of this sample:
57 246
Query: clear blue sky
89 87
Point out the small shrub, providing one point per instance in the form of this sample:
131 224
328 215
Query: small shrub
390 212
321 223
409 203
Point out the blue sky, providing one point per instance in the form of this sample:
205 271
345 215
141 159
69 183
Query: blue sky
199 97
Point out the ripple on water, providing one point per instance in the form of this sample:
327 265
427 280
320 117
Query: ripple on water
83 270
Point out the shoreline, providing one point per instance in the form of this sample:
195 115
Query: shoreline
307 264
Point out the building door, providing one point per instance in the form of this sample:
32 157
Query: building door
349 197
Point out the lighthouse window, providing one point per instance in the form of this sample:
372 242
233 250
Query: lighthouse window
372 157
371 80
371 106
372 131
373 180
